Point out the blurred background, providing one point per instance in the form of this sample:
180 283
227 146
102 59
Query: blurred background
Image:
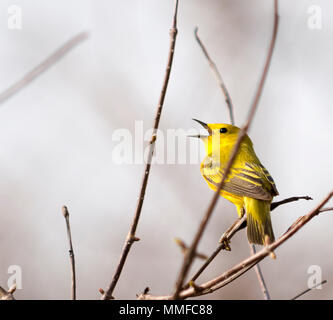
56 141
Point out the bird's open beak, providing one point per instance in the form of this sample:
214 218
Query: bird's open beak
202 123
205 126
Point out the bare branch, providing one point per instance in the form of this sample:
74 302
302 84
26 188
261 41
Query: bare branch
71 252
309 289
42 67
247 264
131 235
217 76
190 253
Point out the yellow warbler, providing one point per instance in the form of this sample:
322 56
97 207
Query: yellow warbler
249 185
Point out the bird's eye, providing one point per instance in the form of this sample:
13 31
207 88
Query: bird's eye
223 130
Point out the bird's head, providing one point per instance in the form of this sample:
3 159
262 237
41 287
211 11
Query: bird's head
220 136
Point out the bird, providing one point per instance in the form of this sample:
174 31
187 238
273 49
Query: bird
249 186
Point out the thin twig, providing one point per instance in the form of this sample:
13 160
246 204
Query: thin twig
71 252
131 235
309 289
260 276
190 253
248 263
7 295
217 76
237 227
42 67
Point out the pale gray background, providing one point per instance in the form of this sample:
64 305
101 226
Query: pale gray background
56 146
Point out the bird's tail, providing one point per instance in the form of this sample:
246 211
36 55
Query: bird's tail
259 223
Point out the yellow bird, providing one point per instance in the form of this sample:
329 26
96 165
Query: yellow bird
249 185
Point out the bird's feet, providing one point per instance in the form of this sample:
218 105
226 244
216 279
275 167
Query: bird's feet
226 236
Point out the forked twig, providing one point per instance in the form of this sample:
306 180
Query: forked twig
183 247
71 252
190 253
131 235
247 264
217 76
222 246
43 66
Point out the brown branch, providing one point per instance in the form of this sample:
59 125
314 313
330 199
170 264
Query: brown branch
217 76
43 66
245 265
190 253
71 252
131 235
7 295
309 289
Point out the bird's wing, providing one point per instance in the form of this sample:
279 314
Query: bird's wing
252 181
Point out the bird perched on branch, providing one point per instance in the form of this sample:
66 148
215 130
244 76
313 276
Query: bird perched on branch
249 186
